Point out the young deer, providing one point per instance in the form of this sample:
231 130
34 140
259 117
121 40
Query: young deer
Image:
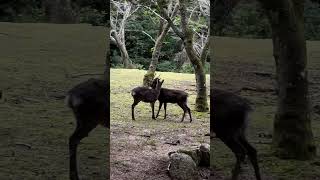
146 94
229 122
89 103
172 96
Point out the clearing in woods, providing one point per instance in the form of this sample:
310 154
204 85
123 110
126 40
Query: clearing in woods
248 64
139 148
38 62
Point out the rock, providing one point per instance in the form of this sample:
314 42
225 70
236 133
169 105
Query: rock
182 167
194 153
205 155
200 155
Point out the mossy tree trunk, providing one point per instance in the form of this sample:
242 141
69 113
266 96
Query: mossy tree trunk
198 64
292 136
163 30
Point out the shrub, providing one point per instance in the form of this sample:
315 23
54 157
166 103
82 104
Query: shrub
166 66
188 68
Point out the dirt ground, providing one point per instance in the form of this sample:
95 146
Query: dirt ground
246 67
139 149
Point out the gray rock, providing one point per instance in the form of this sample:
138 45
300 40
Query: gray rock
182 167
194 153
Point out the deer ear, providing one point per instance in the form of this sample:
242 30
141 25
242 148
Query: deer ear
162 81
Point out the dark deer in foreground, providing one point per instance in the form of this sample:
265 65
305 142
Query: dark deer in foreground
229 121
89 103
172 96
146 94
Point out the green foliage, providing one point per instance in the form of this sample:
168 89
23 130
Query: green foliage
91 11
91 16
140 46
166 66
116 61
312 21
139 66
249 20
188 68
20 11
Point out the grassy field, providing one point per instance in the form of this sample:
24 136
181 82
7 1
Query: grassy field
237 62
138 148
38 62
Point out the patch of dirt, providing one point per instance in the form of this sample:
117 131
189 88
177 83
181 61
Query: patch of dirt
139 152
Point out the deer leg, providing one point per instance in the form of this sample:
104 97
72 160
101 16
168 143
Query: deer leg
184 110
160 105
152 107
239 152
135 102
252 153
165 110
80 132
188 109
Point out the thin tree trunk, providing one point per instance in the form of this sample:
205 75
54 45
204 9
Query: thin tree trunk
148 77
123 50
164 28
293 137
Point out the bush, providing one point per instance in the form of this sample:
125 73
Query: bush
116 61
138 66
188 68
141 61
166 66
92 16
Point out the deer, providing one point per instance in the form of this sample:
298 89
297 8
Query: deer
89 103
229 123
146 94
172 96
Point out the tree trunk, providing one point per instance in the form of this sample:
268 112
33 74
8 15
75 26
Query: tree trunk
163 30
125 56
293 137
123 50
148 77
201 99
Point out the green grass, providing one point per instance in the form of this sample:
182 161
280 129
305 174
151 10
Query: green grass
37 62
124 80
234 60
